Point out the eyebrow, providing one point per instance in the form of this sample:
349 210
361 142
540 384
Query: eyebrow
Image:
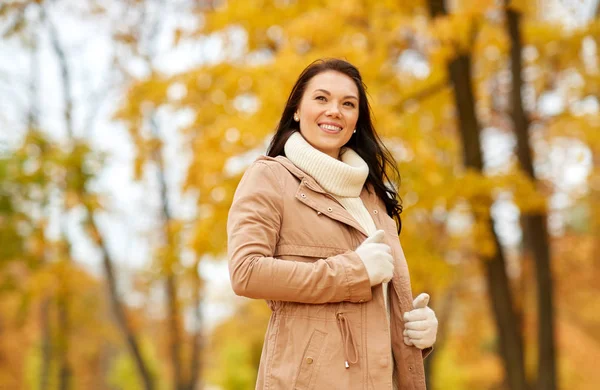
329 93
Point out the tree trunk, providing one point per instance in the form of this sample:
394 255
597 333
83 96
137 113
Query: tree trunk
507 323
62 301
46 347
117 307
535 233
510 338
63 333
170 282
46 301
174 331
195 369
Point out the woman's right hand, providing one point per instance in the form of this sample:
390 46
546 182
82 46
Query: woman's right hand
377 258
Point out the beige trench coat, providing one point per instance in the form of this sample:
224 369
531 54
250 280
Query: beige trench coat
292 244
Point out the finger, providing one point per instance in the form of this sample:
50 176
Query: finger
376 237
389 262
417 325
407 341
414 335
416 315
383 248
389 257
421 301
389 273
420 344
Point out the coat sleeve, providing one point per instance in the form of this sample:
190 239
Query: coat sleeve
253 228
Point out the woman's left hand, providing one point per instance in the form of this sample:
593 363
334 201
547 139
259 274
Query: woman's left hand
420 324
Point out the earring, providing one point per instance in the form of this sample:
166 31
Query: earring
354 131
296 118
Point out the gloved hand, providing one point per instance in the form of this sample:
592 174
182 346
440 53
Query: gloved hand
377 258
420 324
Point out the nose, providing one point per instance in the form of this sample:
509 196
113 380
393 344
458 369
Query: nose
333 111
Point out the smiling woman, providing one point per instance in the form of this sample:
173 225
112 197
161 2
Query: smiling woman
311 230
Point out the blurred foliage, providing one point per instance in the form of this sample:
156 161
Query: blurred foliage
232 105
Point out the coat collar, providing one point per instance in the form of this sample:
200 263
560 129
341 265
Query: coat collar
308 180
367 195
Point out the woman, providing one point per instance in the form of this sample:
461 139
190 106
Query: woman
312 231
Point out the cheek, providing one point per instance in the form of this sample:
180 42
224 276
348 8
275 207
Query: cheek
310 114
309 110
352 120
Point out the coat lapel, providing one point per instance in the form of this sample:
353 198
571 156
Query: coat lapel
314 196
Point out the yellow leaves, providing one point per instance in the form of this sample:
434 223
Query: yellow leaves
177 35
492 44
125 38
542 33
52 277
457 31
585 128
303 35
235 346
351 9
36 245
482 238
71 199
441 54
473 7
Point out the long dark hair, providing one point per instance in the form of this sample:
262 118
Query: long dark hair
365 142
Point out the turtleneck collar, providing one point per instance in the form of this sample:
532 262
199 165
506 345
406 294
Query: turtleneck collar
344 178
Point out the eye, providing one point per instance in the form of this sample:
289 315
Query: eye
322 98
350 104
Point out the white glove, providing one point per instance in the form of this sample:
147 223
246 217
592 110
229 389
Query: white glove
420 324
377 258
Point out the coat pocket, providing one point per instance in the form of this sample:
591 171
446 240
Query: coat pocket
310 363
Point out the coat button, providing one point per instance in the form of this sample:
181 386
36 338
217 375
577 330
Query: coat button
303 195
329 209
309 360
410 368
375 212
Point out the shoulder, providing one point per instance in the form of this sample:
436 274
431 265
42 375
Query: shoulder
267 169
265 175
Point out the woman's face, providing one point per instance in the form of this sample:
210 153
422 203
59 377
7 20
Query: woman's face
328 111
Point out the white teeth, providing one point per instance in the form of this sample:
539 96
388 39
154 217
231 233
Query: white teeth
329 127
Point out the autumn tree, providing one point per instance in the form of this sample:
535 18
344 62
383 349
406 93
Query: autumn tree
71 175
534 224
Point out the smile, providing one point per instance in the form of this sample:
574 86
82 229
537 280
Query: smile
330 128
